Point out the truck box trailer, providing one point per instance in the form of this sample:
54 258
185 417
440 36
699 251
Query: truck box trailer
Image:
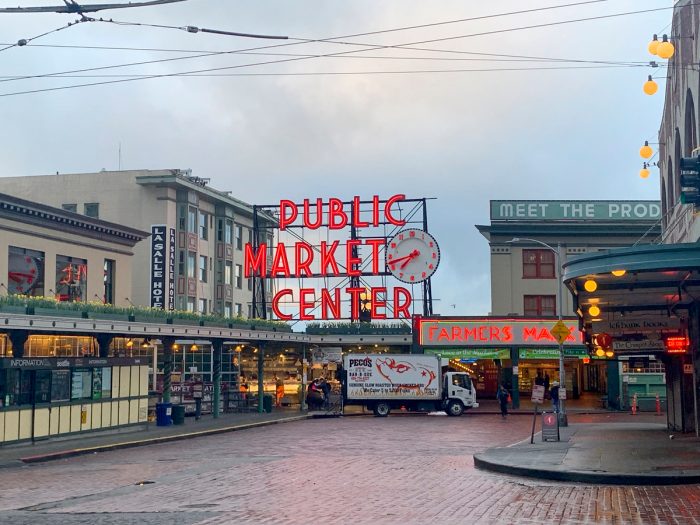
382 382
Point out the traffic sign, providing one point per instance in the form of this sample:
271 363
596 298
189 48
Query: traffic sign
560 332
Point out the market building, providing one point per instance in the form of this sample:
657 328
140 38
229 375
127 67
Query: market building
647 298
195 259
529 241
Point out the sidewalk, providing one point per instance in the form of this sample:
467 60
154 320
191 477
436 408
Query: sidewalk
615 449
140 435
578 406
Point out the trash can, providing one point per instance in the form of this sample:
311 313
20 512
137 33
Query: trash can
267 403
163 414
178 414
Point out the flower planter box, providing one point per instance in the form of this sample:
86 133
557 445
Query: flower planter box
108 316
186 322
56 312
13 309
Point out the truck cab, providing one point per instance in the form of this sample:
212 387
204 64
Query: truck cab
459 393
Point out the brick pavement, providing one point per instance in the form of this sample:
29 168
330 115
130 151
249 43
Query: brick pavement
360 470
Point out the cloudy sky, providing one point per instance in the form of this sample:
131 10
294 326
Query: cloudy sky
373 120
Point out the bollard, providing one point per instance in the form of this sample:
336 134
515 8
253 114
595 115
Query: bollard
658 405
634 405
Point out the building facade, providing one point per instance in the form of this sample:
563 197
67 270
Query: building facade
529 241
194 261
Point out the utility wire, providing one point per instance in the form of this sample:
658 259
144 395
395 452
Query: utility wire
330 40
24 41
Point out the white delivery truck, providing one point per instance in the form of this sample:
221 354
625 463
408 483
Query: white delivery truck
382 382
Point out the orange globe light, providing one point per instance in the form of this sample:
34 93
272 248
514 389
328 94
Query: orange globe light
619 273
594 311
665 49
653 45
599 352
650 87
644 173
590 285
609 353
645 151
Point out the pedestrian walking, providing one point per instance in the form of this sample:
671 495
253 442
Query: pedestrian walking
503 397
554 395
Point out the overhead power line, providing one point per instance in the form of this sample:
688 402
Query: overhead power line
72 7
327 40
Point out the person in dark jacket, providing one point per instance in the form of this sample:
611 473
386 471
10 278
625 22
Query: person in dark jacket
554 395
502 395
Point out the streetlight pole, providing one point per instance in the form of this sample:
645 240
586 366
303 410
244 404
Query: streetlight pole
563 420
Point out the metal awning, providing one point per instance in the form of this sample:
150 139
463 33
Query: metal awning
659 282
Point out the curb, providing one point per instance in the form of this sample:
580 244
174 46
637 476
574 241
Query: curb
609 478
153 441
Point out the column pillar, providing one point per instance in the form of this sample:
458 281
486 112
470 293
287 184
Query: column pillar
103 342
18 338
168 343
261 391
218 346
515 388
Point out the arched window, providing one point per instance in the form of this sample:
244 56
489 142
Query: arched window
670 185
664 206
675 187
690 132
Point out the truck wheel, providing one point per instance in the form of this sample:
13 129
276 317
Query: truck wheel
382 409
455 408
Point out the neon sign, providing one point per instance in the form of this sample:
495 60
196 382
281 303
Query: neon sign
332 258
676 345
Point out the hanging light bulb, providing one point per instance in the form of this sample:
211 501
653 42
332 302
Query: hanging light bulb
645 151
594 311
650 87
665 48
619 273
653 45
644 172
590 285
599 352
609 353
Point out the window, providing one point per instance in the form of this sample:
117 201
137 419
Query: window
227 310
229 232
191 264
540 305
92 209
250 311
202 306
538 264
250 237
181 264
203 226
220 230
70 207
71 278
239 310
239 278
190 304
228 273
60 385
191 220
239 237
108 297
182 218
203 268
250 283
25 271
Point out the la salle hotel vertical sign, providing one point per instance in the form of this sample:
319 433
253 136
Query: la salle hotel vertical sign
159 237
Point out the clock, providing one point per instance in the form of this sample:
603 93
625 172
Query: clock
412 255
22 273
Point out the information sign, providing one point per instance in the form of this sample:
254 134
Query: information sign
550 427
562 393
537 394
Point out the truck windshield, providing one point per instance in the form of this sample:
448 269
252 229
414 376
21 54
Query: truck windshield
462 380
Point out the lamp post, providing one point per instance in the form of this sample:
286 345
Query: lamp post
563 421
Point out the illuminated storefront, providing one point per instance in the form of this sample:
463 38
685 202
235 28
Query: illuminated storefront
513 351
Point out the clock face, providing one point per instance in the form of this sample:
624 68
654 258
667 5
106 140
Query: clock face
412 255
22 273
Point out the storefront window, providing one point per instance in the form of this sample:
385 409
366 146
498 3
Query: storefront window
9 387
81 385
42 386
60 385
71 278
25 271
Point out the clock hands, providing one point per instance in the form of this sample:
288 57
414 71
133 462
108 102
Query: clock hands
406 259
